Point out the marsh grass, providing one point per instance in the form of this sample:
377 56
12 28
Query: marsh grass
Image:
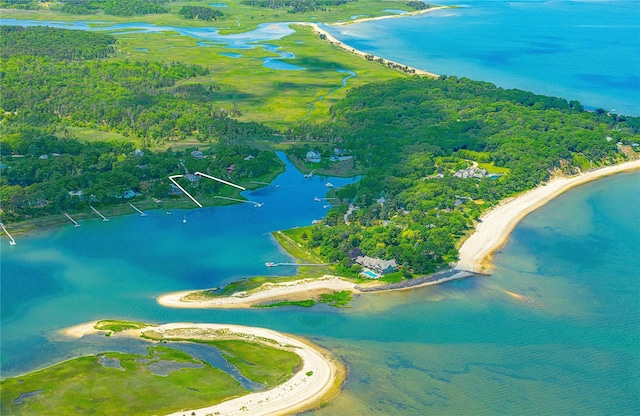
84 386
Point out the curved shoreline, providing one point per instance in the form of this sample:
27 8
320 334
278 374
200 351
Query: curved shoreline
309 387
331 39
390 16
496 225
268 292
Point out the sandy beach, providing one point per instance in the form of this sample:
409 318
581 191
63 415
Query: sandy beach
362 54
390 16
493 231
268 292
317 380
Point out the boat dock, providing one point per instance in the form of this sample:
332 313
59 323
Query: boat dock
274 264
266 183
142 214
11 240
256 204
75 223
98 212
220 180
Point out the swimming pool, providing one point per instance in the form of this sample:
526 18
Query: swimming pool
370 274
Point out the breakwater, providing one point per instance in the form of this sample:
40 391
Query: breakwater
440 277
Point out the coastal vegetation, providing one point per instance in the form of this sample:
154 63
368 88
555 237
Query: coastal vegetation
338 299
410 137
109 382
421 143
200 13
238 15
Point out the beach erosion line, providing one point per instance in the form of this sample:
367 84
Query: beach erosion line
494 227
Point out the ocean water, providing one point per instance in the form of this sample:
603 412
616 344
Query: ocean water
554 330
581 50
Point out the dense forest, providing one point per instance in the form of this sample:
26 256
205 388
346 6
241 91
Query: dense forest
54 43
297 6
200 13
148 100
48 89
53 174
429 148
86 7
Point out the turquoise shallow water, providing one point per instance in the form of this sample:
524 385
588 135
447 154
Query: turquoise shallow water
555 330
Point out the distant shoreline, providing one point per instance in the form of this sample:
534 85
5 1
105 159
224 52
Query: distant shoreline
495 226
362 54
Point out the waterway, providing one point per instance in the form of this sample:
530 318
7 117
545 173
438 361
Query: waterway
554 330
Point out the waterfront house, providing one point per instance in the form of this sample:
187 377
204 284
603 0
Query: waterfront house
378 265
313 156
471 172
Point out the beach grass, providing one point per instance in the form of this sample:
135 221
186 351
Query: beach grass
118 326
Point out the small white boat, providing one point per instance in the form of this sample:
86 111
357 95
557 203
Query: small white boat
329 185
316 199
270 264
184 219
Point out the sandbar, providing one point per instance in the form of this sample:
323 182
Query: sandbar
269 292
319 378
493 230
390 16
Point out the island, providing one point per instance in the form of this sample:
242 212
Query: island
293 374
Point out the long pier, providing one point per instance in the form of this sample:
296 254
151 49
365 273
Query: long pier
98 212
11 240
273 264
256 204
172 179
142 214
75 223
220 180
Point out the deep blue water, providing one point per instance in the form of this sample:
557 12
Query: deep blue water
578 50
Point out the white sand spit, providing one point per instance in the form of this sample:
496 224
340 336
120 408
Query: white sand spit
313 383
268 292
358 52
299 393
